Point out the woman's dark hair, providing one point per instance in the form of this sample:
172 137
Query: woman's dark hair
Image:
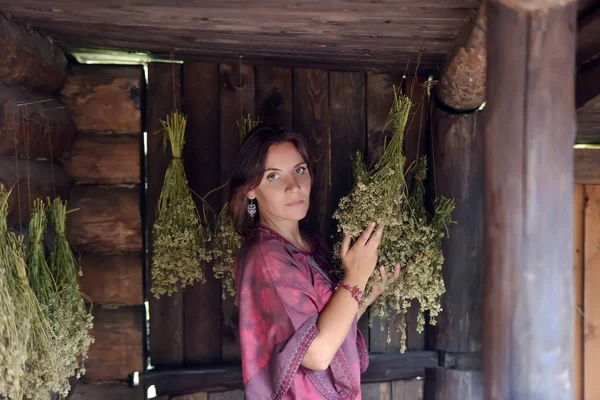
249 168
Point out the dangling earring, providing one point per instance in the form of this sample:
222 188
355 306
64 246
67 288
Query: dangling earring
251 208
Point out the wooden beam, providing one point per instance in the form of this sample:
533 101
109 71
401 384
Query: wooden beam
104 159
117 350
107 220
33 125
451 384
29 59
105 98
529 132
114 278
382 368
462 82
587 166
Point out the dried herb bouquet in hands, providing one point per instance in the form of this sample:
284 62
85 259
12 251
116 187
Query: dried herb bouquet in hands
412 237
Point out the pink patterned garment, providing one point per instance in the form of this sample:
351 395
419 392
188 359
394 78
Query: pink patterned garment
281 291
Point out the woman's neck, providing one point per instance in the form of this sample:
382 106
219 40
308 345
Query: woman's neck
290 230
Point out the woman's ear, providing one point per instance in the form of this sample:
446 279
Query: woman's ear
251 195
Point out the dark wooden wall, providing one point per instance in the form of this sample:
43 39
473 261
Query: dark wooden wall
338 112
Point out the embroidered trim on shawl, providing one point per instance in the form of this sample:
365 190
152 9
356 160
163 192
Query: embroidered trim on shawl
326 389
363 352
287 377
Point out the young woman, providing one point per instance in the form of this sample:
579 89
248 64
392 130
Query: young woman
298 324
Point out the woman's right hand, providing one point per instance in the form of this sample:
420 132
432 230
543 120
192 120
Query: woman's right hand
359 261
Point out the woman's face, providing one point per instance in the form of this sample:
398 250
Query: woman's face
284 190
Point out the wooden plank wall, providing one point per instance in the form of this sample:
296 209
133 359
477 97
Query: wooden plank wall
104 164
338 112
586 268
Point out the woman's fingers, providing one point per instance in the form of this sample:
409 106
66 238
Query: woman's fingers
364 237
345 246
396 271
375 239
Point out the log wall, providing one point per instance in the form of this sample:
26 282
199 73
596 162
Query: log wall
104 165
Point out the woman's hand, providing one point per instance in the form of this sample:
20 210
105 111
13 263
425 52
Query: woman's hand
360 260
380 287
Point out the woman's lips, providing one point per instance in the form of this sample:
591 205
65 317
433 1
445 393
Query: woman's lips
295 203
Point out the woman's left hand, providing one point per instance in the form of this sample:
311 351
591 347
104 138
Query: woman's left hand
380 286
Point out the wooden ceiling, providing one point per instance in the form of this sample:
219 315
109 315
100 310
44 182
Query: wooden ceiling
339 34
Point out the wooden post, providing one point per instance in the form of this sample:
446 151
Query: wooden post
457 172
529 132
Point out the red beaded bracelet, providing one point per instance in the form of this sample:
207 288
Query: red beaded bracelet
355 291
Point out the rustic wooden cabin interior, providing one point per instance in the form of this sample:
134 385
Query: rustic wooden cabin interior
508 115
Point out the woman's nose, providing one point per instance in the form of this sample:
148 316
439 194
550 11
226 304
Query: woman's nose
292 184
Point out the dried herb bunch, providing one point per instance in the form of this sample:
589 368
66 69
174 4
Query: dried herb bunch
180 239
70 319
412 237
227 242
14 322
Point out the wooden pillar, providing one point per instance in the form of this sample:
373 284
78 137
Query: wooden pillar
529 132
457 172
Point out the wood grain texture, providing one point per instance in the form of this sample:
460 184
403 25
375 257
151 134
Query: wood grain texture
33 125
231 395
105 98
29 59
376 391
101 159
462 80
202 302
117 350
237 96
587 166
312 119
104 391
578 273
457 146
528 224
108 219
453 384
274 95
588 122
195 396
408 389
591 299
166 313
112 278
342 33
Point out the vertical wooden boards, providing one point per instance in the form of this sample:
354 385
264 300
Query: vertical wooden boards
237 94
591 308
376 391
458 169
578 267
166 313
312 119
274 100
202 308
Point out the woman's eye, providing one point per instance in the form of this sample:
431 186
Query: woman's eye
272 177
300 170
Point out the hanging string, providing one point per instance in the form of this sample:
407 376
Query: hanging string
173 77
25 114
241 79
18 184
432 141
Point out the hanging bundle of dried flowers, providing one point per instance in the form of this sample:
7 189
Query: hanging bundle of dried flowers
411 238
180 239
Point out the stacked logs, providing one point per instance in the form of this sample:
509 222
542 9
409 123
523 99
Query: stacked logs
75 132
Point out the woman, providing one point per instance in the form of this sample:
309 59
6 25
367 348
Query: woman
298 325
